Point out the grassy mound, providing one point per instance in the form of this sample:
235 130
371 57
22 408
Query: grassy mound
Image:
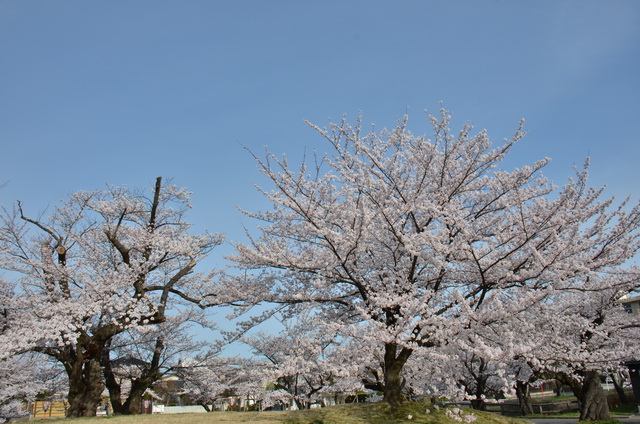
363 413
380 413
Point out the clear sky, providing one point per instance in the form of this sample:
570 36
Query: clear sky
95 92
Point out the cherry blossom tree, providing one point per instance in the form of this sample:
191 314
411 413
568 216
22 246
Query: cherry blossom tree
22 378
411 238
479 377
103 262
204 379
307 361
579 333
211 377
588 335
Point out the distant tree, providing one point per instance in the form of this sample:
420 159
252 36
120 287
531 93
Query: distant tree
211 377
306 360
404 239
104 262
478 378
204 380
22 376
22 379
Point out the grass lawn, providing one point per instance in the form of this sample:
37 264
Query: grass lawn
213 417
378 413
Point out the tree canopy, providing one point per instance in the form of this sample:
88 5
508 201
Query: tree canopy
407 241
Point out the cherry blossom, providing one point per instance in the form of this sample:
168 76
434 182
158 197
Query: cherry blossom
406 240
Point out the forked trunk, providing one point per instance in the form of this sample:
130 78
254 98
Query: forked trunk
479 403
133 404
558 388
85 388
393 380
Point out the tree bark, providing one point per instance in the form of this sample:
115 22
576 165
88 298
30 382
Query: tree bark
133 404
478 403
393 380
593 402
115 392
85 388
523 391
480 383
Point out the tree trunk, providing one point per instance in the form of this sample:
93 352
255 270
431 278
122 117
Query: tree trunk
393 381
476 385
133 404
558 386
478 403
619 390
523 391
85 388
115 392
593 402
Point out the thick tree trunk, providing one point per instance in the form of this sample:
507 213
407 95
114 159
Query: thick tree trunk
476 385
85 388
593 402
523 391
393 380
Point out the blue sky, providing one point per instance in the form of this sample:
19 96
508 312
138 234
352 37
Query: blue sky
95 92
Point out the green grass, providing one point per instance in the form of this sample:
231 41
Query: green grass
210 418
629 409
377 413
380 413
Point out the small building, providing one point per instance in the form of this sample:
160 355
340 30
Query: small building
631 304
